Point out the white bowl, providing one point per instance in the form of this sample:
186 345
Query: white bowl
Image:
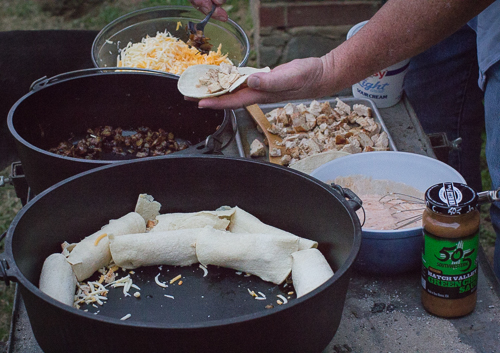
390 251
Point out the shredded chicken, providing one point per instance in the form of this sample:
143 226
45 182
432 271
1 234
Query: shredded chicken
319 127
221 78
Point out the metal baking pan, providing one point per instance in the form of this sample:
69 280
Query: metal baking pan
248 133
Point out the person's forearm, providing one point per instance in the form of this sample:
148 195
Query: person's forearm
399 30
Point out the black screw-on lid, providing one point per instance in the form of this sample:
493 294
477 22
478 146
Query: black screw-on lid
451 198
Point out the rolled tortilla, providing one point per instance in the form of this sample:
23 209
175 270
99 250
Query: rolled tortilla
92 253
175 248
173 221
244 222
309 271
267 256
58 279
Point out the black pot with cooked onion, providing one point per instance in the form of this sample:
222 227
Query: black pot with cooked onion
81 120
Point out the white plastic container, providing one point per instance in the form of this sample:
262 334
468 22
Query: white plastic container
385 87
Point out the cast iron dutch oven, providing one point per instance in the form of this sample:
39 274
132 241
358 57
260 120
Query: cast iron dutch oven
71 103
208 314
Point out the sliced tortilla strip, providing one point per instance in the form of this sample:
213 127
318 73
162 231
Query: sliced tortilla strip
58 279
310 163
309 271
175 248
147 207
267 256
244 222
214 219
92 253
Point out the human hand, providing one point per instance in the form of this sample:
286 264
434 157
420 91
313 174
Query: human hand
298 79
205 6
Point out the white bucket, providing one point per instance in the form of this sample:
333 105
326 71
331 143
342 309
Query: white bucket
384 88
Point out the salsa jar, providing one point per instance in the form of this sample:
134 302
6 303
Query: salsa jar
449 255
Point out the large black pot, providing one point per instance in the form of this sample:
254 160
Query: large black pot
216 314
71 103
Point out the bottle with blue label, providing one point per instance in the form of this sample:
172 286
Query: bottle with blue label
449 256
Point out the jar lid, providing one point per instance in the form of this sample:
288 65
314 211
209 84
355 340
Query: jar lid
451 198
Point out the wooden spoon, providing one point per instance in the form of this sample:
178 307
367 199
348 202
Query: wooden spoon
273 140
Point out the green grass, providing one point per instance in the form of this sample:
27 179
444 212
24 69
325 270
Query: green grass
30 14
9 206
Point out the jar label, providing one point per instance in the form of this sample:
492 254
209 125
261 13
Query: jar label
449 266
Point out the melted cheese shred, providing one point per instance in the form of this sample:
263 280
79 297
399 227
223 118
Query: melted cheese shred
166 53
99 238
90 292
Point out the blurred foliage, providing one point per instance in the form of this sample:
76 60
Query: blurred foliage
485 174
91 14
9 206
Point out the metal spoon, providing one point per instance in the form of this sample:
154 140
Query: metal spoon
194 28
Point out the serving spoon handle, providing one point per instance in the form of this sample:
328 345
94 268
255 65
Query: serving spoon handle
193 28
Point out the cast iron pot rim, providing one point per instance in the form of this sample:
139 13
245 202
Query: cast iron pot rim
159 8
199 325
90 73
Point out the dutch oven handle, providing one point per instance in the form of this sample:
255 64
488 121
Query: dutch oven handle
44 81
213 144
7 273
352 199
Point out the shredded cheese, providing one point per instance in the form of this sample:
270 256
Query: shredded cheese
90 293
179 24
99 238
283 299
166 53
169 296
126 317
161 284
205 270
126 283
176 278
